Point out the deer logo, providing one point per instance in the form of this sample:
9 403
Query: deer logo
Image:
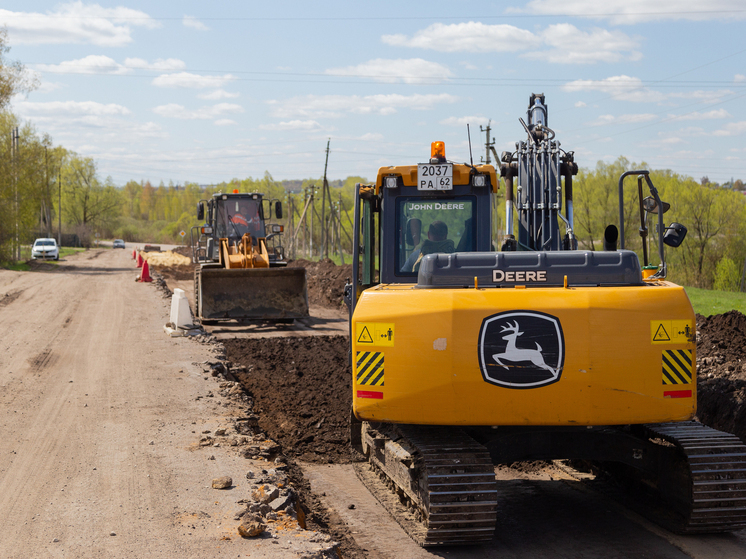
521 349
515 354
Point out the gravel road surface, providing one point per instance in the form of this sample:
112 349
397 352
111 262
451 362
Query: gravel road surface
101 416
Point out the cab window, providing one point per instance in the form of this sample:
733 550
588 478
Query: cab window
428 226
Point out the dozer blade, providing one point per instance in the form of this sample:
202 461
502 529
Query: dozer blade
252 293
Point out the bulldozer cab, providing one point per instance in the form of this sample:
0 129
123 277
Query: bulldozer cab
238 215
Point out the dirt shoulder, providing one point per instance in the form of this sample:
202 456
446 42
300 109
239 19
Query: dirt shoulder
113 432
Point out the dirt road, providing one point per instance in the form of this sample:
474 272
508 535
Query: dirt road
101 416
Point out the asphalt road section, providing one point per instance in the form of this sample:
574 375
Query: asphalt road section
101 415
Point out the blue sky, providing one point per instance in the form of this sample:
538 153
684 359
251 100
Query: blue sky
205 92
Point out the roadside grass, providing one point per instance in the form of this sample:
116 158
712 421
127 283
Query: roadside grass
708 302
15 266
69 251
22 265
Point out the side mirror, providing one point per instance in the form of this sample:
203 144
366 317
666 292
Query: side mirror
651 206
200 211
278 210
674 235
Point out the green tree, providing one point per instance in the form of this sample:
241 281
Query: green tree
727 275
88 203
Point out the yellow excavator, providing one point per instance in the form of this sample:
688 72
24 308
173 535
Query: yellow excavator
464 357
241 272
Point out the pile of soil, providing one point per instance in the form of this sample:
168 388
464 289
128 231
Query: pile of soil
301 391
721 372
326 281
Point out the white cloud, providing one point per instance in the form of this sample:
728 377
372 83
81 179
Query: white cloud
76 22
48 87
192 81
710 115
172 110
467 37
560 44
605 120
469 65
701 95
335 106
626 88
412 70
218 94
371 137
292 125
732 129
463 121
569 45
636 11
160 64
673 140
739 78
580 104
77 108
91 64
225 122
101 64
87 122
194 23
623 88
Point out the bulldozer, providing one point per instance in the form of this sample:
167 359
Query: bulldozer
465 357
241 271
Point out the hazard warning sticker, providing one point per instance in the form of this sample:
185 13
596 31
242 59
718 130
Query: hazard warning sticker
375 333
677 366
369 368
672 332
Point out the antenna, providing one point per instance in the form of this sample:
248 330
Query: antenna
468 133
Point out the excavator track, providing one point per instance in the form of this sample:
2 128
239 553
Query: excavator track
711 492
437 482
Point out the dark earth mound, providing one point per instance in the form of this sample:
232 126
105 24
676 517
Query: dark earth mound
302 392
326 281
721 372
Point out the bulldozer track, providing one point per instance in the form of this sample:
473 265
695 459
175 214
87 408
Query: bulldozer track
716 463
451 494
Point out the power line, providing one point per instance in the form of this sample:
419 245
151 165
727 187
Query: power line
420 17
432 80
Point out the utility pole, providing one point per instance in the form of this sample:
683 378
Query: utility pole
310 243
47 199
488 144
14 153
325 187
291 226
59 205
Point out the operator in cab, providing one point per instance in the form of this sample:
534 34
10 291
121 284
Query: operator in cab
437 241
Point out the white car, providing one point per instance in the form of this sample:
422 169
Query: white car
45 248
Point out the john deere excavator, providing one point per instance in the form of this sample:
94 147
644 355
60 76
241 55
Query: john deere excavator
241 271
464 357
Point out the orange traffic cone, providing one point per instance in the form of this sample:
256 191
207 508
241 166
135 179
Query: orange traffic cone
139 261
145 276
134 254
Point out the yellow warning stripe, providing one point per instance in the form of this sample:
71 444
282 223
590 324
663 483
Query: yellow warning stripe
369 368
677 366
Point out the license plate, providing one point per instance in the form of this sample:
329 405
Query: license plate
435 176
